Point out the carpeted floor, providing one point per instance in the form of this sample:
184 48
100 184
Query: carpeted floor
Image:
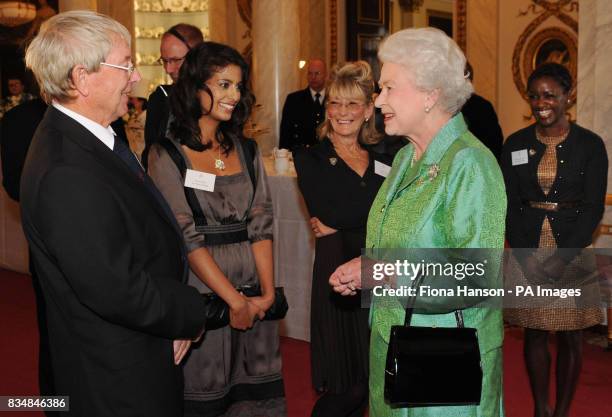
18 369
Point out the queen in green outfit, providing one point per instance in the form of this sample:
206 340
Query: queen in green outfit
445 190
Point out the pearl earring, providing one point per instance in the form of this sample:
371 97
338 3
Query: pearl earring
427 109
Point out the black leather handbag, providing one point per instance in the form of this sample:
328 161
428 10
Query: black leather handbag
432 366
217 310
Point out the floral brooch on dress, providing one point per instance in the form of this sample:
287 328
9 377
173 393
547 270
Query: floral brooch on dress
432 172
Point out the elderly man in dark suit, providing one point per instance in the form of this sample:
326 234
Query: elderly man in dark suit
17 129
304 109
104 244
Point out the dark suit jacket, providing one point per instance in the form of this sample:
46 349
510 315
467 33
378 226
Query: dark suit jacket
16 131
582 175
301 116
482 121
18 127
156 122
158 112
110 262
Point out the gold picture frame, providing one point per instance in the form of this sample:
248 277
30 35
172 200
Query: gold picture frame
551 44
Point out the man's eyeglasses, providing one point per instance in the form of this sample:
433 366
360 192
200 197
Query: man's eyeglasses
170 61
130 68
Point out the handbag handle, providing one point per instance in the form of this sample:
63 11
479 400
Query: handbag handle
410 306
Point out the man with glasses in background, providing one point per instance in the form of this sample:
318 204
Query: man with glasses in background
108 253
175 44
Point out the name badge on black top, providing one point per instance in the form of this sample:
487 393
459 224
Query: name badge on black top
381 169
520 157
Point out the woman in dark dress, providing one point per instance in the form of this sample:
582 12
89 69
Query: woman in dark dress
556 177
339 178
234 370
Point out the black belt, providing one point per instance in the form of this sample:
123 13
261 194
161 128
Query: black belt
223 234
550 206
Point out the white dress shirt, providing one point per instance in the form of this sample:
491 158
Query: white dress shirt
321 93
105 134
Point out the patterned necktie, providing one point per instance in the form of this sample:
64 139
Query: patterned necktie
318 99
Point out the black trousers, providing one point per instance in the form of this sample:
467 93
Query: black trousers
45 369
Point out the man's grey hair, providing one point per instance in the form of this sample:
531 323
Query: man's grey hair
78 37
433 60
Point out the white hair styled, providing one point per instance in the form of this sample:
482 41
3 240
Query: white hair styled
79 37
433 60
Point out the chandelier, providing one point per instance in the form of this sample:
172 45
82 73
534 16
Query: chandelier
15 13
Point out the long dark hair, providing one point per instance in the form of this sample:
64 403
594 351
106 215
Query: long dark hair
200 64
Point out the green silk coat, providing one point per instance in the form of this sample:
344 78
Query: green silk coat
453 197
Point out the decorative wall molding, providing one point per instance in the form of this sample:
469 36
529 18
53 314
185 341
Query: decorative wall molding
156 32
171 6
245 10
333 32
461 31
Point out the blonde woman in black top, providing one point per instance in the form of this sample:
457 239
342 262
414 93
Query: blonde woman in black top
339 178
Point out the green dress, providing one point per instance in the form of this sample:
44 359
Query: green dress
453 197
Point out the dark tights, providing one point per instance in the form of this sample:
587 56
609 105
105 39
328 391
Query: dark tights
351 403
569 362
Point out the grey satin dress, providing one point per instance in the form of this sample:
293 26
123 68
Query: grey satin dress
230 372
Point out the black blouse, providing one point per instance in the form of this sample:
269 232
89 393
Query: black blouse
582 176
333 192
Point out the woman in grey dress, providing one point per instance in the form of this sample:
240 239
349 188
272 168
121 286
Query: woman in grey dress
235 370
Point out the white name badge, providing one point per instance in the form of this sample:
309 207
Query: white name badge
200 180
381 169
520 157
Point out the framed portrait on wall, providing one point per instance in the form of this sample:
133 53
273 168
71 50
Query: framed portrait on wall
552 50
551 44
